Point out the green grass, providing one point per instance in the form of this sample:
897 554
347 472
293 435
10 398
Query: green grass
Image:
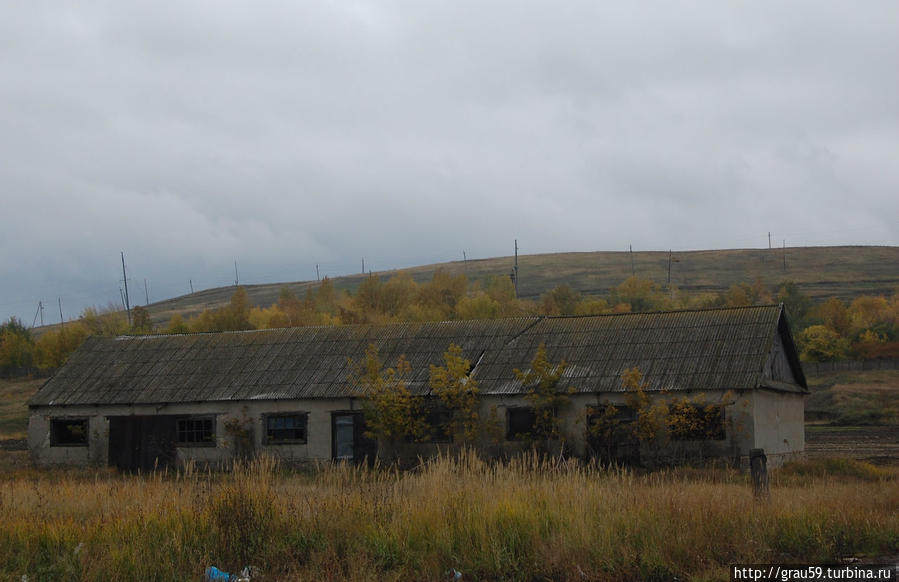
524 520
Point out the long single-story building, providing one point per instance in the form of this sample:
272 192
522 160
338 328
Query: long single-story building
138 402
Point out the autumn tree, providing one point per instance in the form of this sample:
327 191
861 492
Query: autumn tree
271 317
392 412
108 322
819 343
746 294
140 320
866 312
561 300
397 294
797 304
233 317
177 325
16 346
458 392
54 347
834 315
440 296
591 306
479 306
541 382
650 426
639 294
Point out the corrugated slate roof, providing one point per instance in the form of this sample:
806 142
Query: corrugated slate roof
682 350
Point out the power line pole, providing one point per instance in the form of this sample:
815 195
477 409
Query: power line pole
669 266
465 260
146 292
785 255
61 320
125 279
236 278
630 249
317 278
191 281
769 240
40 309
515 270
363 265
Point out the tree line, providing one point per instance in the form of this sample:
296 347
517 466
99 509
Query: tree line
867 327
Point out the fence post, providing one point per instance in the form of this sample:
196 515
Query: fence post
758 467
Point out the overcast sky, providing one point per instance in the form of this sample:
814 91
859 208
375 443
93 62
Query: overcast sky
288 134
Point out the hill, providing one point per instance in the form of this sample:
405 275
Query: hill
820 272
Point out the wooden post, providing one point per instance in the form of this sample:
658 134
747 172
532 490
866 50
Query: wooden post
758 467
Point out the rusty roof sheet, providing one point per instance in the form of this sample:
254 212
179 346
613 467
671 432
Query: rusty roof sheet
679 350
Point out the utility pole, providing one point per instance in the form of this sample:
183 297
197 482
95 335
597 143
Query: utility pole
317 278
146 293
785 255
669 266
191 281
515 270
40 309
769 240
363 265
61 321
236 278
630 249
465 260
125 279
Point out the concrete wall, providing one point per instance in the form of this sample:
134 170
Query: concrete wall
246 414
779 419
759 419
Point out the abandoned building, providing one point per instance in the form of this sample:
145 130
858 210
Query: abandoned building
138 402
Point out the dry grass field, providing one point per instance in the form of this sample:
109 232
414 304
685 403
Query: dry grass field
852 398
524 520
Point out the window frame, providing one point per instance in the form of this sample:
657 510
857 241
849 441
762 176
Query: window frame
520 436
195 418
439 419
266 434
707 432
69 420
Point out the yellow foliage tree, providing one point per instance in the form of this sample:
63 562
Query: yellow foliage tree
541 382
458 391
392 412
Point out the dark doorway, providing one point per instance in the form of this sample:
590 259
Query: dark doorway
348 440
141 443
611 438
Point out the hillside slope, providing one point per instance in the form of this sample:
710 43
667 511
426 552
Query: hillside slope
820 272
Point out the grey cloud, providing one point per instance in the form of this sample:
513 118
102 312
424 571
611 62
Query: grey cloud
285 135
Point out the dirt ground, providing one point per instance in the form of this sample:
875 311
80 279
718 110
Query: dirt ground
876 444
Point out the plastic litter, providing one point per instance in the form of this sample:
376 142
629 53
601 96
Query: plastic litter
213 574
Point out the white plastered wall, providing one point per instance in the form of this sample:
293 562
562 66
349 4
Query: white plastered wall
779 419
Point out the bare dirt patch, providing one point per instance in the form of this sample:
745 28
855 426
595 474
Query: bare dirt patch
875 444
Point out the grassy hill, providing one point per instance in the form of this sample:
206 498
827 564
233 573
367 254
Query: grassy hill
820 272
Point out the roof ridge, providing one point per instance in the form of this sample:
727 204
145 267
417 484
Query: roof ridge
665 311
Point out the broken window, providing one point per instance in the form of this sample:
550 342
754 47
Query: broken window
68 432
693 422
288 428
439 424
520 423
196 431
